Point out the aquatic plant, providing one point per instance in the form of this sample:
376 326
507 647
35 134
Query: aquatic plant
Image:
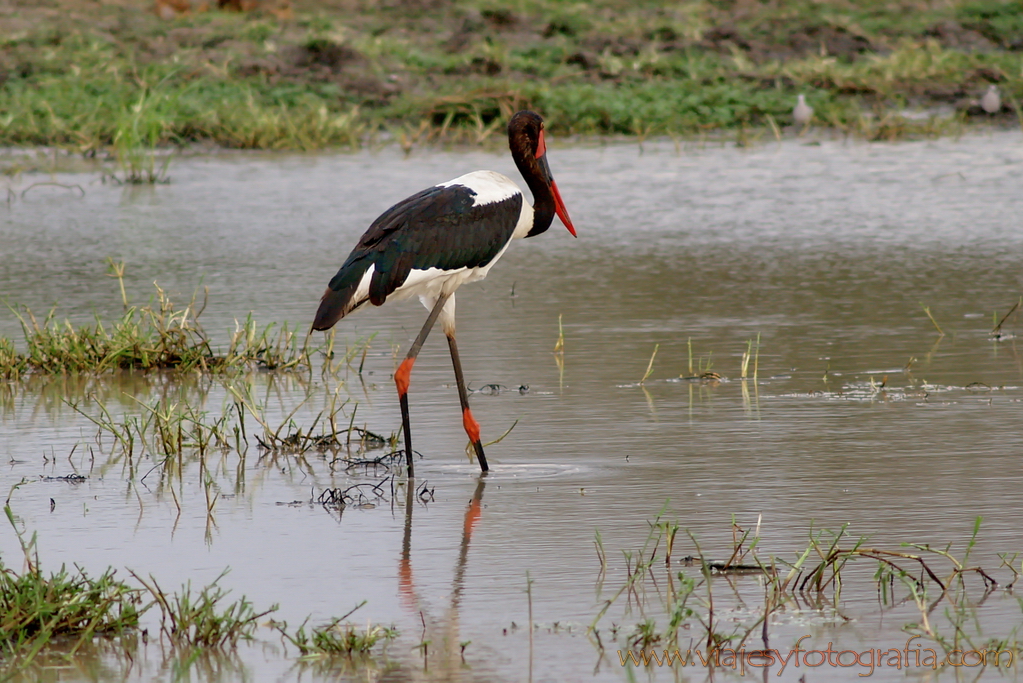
156 336
135 143
203 618
337 637
665 593
36 608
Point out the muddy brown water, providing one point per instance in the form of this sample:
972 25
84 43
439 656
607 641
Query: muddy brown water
861 414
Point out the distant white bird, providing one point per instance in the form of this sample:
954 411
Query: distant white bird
803 112
992 101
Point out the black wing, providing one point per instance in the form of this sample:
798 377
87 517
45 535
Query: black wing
436 228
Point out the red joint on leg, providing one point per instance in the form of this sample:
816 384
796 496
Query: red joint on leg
401 376
472 427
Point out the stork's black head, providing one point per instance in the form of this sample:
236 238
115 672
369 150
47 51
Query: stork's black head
529 150
524 130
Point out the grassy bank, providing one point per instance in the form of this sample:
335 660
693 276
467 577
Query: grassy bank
88 75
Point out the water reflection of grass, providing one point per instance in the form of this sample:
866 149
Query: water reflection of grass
739 602
160 444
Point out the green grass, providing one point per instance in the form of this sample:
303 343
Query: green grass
673 599
157 336
64 611
36 609
204 618
119 80
160 335
69 609
338 638
92 115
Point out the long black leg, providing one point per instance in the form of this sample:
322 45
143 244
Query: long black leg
401 378
472 428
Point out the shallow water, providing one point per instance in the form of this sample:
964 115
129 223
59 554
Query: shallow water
860 414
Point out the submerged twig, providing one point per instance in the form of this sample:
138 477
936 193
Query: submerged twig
52 184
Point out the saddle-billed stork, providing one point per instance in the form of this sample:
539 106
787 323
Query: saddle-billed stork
441 238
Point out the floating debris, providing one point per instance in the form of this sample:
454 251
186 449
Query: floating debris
726 567
71 478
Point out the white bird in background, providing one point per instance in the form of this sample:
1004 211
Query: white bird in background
992 101
803 112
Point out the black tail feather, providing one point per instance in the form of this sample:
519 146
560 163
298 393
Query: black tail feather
333 306
339 299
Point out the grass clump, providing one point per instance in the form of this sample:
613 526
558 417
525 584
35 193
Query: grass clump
1000 22
135 146
36 609
204 618
338 638
66 610
157 336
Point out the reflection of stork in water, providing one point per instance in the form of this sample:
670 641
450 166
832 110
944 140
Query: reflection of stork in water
448 639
